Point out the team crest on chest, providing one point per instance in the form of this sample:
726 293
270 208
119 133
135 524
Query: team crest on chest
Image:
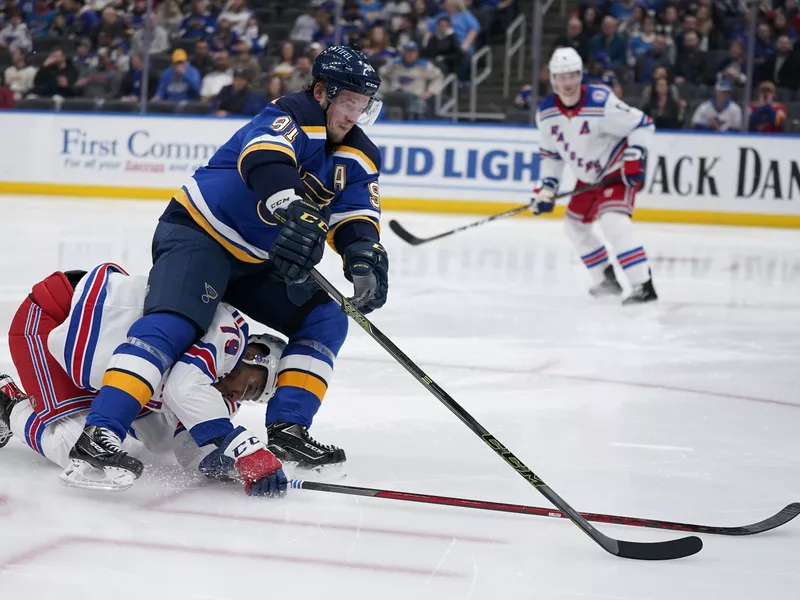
317 192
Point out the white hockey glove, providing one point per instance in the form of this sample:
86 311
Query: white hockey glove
543 200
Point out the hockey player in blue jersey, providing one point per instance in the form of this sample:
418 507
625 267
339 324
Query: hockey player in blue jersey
246 229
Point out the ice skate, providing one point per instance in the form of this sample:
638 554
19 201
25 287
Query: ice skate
10 395
98 462
292 444
642 294
608 287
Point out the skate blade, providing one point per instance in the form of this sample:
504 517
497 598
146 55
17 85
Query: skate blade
604 293
320 474
80 474
631 304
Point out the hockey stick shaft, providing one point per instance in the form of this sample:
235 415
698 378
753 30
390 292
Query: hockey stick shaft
781 518
656 551
414 240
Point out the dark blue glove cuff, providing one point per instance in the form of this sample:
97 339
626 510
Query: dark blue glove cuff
268 179
349 232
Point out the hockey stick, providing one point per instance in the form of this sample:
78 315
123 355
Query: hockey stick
404 234
776 520
644 551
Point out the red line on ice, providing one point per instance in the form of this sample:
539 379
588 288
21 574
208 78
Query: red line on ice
158 506
58 544
543 370
32 554
672 388
335 526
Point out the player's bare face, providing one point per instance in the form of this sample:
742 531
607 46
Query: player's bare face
343 112
245 382
568 87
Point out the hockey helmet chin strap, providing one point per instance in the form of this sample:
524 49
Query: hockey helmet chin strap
268 354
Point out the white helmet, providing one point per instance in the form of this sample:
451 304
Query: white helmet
268 360
564 60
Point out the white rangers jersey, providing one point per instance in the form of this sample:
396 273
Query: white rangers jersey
590 137
106 303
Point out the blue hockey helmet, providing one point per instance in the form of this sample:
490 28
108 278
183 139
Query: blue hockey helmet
344 68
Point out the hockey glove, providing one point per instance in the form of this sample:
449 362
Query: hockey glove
217 466
634 162
543 197
366 265
301 241
261 472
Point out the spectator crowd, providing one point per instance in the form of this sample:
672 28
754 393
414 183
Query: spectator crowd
231 57
684 61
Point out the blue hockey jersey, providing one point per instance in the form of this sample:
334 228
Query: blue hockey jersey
289 136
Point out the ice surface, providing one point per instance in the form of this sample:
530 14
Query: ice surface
687 411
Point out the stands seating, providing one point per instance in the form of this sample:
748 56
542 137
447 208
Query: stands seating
276 18
79 104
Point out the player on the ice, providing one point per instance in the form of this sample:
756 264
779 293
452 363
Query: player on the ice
61 339
246 229
601 139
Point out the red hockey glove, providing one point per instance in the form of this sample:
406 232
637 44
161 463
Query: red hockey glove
634 162
260 470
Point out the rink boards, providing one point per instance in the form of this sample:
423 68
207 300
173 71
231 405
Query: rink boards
731 179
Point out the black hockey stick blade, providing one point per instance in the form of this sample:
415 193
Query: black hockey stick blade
641 551
668 550
777 520
410 238
405 235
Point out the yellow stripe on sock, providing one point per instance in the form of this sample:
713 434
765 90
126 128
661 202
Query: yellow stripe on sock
306 381
130 384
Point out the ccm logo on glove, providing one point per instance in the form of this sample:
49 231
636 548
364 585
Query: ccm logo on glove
308 218
248 446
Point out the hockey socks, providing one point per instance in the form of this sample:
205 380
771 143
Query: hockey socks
619 231
306 366
592 251
154 343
